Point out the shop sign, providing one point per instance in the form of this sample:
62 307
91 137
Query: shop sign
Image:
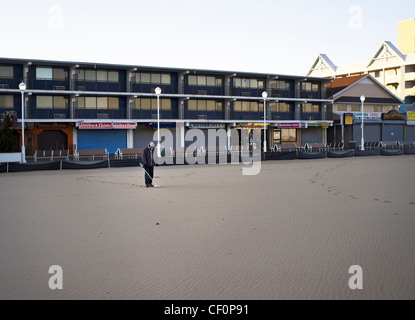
369 115
125 125
206 126
95 125
52 125
348 118
410 115
292 125
251 125
318 124
393 115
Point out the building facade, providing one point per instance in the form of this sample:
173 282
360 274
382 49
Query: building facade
379 110
71 105
391 66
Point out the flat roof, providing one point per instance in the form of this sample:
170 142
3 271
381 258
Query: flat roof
179 70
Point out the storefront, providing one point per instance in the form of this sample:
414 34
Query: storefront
372 127
144 133
47 136
287 132
410 126
393 126
316 132
104 135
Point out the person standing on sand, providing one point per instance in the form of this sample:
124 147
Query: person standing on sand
148 164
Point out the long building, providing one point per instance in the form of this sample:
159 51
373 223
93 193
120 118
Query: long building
76 105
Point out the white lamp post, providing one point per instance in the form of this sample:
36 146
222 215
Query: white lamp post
158 92
22 88
362 143
265 96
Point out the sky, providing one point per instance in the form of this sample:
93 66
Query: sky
265 36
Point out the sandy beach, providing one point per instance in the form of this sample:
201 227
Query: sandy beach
291 232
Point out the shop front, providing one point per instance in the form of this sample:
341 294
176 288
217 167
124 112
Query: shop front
287 132
410 126
104 135
47 136
144 133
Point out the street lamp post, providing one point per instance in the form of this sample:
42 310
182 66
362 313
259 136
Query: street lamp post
22 88
362 143
265 95
158 92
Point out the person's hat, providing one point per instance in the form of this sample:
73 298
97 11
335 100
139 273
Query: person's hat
151 144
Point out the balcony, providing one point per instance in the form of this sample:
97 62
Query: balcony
35 113
410 76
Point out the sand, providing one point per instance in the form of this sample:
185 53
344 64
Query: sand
291 232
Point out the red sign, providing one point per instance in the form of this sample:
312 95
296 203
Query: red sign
95 125
124 125
292 125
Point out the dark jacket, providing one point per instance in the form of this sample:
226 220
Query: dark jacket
148 158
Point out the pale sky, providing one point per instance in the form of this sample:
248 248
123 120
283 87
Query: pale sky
267 36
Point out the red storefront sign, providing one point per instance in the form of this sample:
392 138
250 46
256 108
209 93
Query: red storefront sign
292 125
95 125
124 125
108 125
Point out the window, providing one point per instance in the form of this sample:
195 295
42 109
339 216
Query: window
6 72
288 135
280 85
152 78
113 76
60 74
44 73
247 83
311 108
279 107
341 108
356 108
6 101
151 104
377 74
100 103
97 75
248 106
90 103
204 81
60 103
386 109
377 109
102 76
204 105
315 87
51 102
113 103
90 75
44 102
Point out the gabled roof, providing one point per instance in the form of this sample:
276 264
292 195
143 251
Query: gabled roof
390 49
322 62
338 86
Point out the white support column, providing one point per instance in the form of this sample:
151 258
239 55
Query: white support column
228 133
130 138
75 137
